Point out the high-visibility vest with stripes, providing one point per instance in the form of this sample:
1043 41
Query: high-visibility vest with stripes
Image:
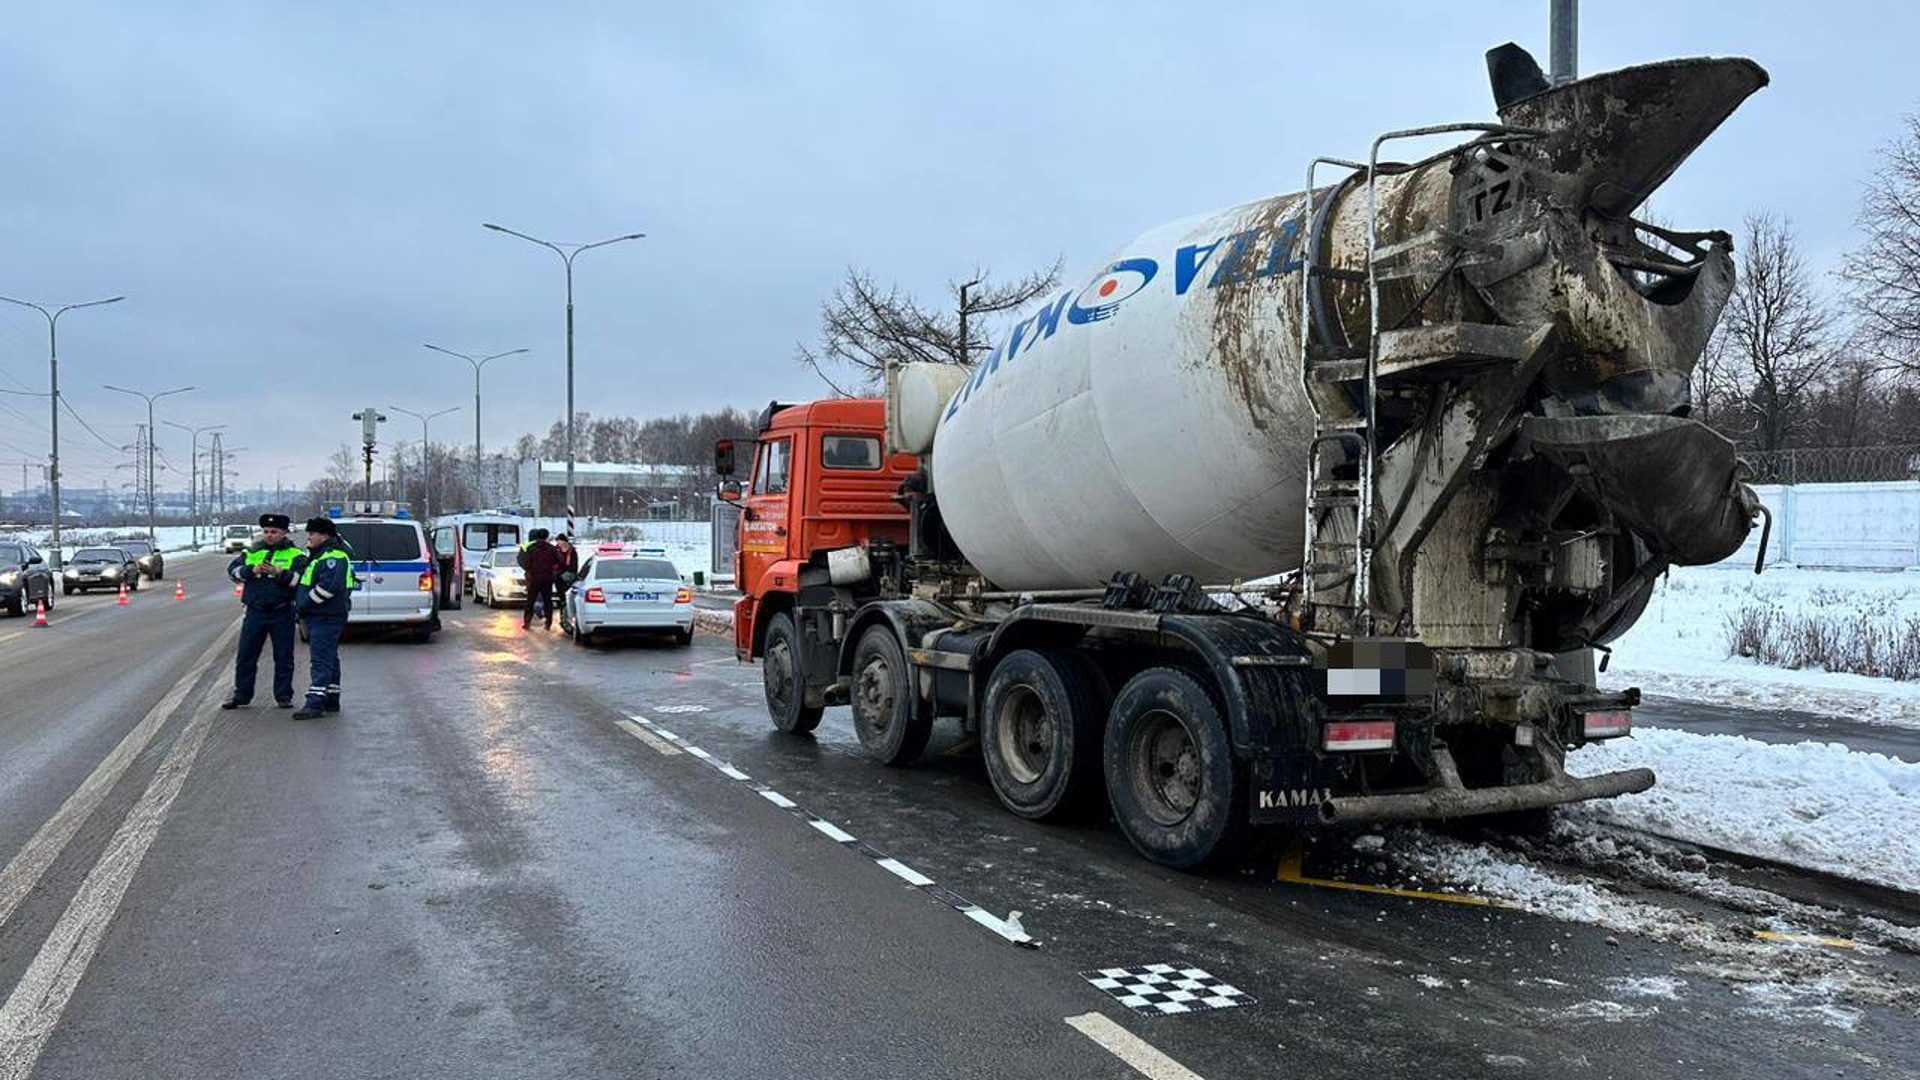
282 557
306 578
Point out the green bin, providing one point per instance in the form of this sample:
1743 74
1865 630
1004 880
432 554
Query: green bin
699 578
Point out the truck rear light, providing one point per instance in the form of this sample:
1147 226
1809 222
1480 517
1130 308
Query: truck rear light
684 596
1610 724
596 595
426 581
1342 735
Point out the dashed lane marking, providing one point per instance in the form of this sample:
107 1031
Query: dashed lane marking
1008 928
40 998
1139 1054
649 738
25 869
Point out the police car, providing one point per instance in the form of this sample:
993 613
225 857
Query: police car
498 579
392 568
622 588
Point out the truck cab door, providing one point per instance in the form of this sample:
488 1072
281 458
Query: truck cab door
764 524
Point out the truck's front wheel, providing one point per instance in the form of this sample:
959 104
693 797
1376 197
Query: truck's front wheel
1170 771
1040 731
783 674
890 727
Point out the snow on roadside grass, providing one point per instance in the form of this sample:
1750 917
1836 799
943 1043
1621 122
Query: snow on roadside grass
1679 648
1814 805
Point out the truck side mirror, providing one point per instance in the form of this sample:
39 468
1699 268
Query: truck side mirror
730 491
723 458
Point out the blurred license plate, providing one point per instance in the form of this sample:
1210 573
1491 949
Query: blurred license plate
639 596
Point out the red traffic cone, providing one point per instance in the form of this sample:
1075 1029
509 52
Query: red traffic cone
122 602
179 590
40 613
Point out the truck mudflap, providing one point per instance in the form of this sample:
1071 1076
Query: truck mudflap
1448 798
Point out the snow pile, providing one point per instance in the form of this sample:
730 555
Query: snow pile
1813 805
1679 648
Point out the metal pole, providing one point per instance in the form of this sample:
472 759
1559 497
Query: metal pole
478 363
53 380
567 258
152 536
1564 31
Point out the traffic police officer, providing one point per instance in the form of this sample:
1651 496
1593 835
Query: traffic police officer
323 599
266 574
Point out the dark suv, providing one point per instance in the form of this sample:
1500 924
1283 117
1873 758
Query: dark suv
148 556
25 579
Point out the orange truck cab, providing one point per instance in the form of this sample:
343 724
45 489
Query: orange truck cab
822 492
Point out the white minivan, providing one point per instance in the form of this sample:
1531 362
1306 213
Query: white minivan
393 570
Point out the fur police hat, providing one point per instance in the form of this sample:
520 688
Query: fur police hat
275 521
322 525
537 534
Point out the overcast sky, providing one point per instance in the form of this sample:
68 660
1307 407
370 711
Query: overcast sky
290 195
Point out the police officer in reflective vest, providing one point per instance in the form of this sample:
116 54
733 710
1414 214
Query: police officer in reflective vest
267 574
323 598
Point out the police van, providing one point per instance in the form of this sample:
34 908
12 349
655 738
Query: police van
393 568
465 539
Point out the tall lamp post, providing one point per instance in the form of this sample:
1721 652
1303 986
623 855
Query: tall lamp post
426 473
478 363
152 538
53 380
193 472
567 252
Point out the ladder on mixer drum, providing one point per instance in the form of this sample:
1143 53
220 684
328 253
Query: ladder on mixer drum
1346 563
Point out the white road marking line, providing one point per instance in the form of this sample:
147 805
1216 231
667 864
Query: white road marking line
23 872
731 773
832 831
699 753
648 737
778 799
904 872
34 1008
1140 1055
990 921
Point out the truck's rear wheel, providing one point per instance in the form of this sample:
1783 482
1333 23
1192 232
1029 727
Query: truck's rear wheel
783 674
1040 731
1171 776
890 727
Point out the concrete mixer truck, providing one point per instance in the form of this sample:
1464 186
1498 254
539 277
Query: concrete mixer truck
1310 511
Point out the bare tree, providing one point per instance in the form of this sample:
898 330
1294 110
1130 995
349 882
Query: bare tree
864 327
1778 331
1883 274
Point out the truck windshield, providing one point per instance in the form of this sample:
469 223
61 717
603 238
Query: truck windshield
771 476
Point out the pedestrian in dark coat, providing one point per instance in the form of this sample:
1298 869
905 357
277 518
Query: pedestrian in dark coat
541 560
323 599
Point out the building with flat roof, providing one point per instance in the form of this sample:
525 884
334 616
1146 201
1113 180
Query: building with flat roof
612 489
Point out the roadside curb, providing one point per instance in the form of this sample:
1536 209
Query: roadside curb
719 623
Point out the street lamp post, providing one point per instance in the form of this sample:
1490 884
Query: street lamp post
426 473
193 473
477 363
53 380
152 538
567 253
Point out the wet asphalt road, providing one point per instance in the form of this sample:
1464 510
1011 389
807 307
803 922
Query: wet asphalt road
478 870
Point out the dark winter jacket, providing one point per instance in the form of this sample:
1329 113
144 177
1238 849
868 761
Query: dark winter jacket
326 583
271 591
541 561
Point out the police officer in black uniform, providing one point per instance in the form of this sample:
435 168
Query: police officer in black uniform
267 574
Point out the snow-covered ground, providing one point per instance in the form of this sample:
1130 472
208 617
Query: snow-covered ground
1679 647
1813 805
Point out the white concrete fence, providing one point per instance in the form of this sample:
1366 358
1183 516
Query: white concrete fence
1859 526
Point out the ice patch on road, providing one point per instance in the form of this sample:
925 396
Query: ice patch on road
1605 1012
1819 806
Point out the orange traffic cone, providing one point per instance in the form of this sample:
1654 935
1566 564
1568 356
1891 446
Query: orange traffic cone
122 602
40 613
179 590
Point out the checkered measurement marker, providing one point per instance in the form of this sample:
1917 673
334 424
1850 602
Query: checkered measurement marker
1166 990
